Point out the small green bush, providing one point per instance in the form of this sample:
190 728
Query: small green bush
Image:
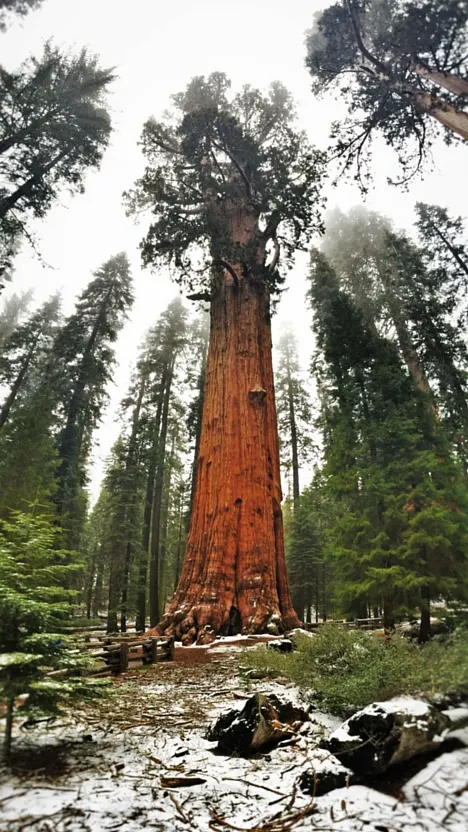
340 668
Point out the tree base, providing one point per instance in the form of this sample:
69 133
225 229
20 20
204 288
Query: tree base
201 623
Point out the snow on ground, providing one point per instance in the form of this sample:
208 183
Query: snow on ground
130 765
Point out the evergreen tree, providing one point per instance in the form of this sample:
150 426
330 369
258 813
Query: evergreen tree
34 603
399 66
444 246
13 310
28 456
164 345
293 407
82 362
400 535
23 350
395 286
231 185
309 564
54 126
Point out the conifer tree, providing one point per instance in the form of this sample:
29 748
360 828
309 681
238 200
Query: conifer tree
23 349
14 308
81 366
396 286
54 127
400 67
400 536
34 603
293 406
444 247
231 184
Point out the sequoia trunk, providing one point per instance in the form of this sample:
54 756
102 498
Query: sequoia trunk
234 574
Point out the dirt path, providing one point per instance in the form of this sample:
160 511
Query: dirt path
130 765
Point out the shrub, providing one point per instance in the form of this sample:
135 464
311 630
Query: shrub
340 668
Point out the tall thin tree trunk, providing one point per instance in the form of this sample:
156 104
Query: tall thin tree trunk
148 508
157 502
130 508
408 351
97 595
234 568
179 544
198 424
164 523
293 429
71 439
425 622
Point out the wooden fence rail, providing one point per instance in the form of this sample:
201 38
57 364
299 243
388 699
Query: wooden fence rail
116 652
357 624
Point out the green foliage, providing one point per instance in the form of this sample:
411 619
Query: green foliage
80 368
216 151
399 536
34 604
54 127
293 407
342 668
372 52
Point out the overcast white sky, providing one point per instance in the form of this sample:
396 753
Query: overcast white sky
156 47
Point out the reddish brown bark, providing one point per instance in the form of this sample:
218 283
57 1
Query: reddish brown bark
234 574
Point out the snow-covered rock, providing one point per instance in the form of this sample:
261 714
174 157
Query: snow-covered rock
325 774
386 733
263 720
283 645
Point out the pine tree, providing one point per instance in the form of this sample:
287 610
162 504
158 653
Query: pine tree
13 310
23 349
396 286
444 247
399 66
293 406
82 361
164 346
400 535
55 127
227 177
34 603
28 456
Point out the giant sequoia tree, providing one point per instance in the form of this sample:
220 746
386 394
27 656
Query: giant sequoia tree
399 65
232 186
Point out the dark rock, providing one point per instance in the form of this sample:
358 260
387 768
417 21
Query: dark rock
262 721
282 646
326 773
387 733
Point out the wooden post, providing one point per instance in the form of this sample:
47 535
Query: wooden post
154 649
123 657
171 648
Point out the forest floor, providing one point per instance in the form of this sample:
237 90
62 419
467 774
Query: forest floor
139 761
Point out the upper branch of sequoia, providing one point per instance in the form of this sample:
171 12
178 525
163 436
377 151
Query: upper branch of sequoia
229 181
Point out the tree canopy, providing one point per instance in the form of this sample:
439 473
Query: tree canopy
399 66
216 150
